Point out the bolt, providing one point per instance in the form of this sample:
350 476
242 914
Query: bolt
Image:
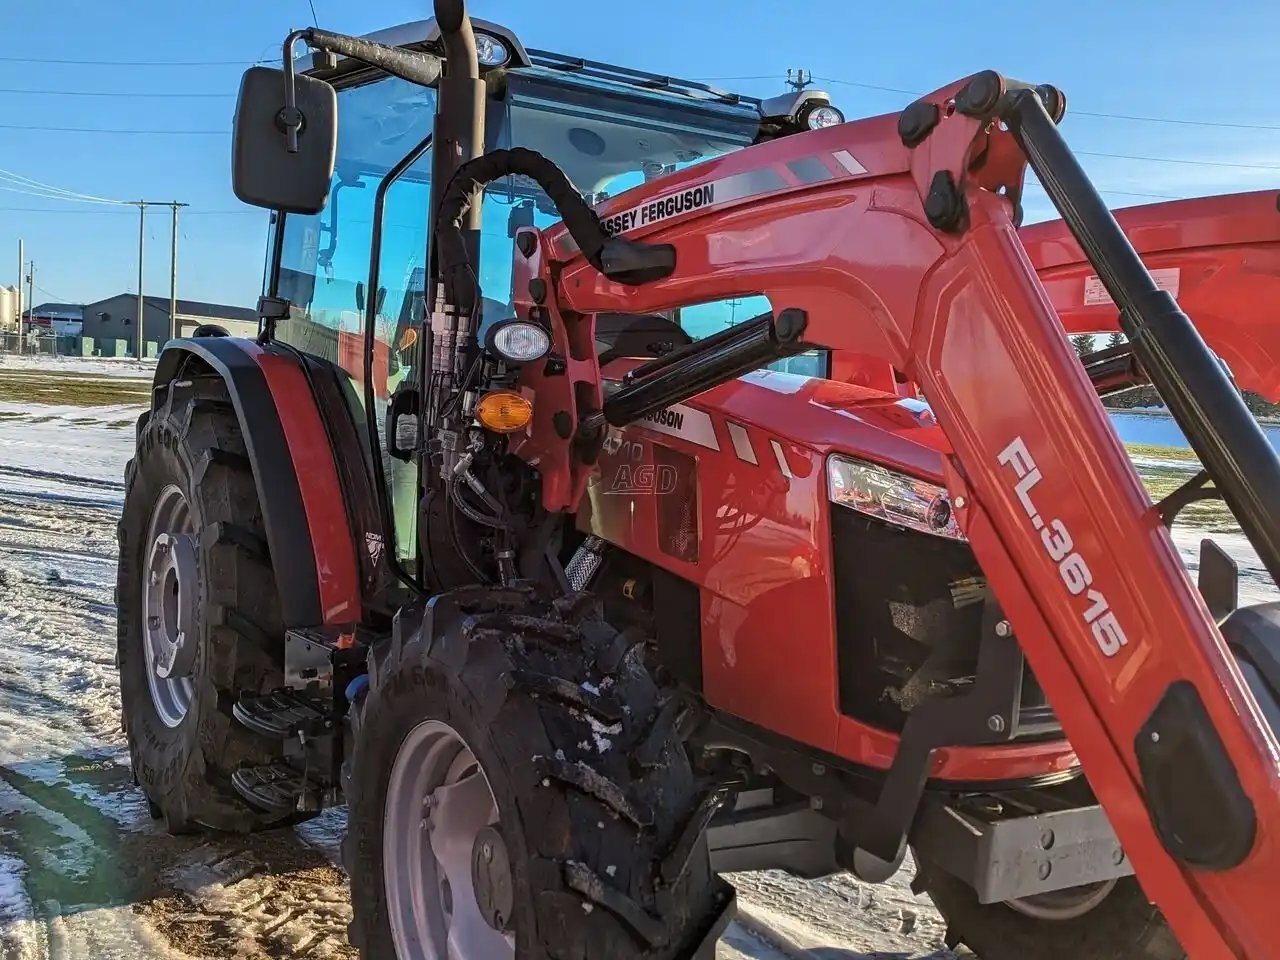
995 723
487 850
162 545
1003 629
1117 856
1155 737
815 803
959 501
1046 839
1046 868
819 769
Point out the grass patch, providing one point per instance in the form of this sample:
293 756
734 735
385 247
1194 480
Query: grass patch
71 389
1209 515
1151 451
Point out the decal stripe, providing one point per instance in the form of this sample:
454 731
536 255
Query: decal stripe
782 460
702 197
684 422
809 170
849 162
742 443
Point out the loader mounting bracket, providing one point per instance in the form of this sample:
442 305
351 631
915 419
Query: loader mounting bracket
987 713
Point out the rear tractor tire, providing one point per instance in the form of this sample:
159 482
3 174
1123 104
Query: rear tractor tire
1106 922
517 789
198 611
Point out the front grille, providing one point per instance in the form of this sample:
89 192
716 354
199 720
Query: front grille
676 476
909 609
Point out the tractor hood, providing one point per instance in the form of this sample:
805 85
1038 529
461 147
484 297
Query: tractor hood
825 416
833 417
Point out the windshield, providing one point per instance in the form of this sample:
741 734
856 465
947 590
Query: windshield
607 138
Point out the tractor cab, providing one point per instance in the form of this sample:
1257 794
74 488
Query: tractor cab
608 128
365 256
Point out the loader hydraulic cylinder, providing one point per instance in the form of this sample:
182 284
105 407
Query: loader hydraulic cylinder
686 373
1210 411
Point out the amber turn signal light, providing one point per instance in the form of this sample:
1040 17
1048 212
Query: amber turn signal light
504 411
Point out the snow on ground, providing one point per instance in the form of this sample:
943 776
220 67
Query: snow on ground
84 870
101 366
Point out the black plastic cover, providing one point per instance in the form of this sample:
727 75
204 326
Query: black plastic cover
1200 811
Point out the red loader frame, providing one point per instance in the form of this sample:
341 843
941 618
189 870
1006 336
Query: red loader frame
1220 256
831 224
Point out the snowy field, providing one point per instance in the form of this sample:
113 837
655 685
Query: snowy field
84 871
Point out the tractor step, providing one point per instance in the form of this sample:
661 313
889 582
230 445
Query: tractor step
283 714
273 787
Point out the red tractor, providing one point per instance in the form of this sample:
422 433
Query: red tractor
585 578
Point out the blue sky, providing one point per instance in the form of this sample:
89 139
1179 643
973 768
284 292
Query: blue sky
1179 59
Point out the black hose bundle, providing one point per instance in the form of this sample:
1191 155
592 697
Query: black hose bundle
625 261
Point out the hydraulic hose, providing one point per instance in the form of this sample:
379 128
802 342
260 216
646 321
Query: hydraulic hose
625 261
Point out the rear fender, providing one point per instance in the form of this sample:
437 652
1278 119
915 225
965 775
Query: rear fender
308 530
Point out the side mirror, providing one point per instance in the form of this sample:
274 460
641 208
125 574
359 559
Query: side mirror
263 171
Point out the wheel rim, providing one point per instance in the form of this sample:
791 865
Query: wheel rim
439 804
169 595
1063 904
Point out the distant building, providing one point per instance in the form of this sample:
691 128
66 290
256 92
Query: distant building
62 319
115 318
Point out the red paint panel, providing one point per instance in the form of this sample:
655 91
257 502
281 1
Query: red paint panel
312 456
1220 256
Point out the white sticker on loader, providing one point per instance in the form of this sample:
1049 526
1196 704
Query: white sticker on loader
1168 279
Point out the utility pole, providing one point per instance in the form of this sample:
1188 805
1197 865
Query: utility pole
31 297
173 273
142 307
22 258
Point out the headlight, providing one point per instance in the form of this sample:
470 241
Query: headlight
892 497
823 116
490 51
517 341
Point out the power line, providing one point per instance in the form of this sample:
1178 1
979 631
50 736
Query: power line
114 130
130 63
1071 112
1195 163
107 93
189 213
29 185
1189 123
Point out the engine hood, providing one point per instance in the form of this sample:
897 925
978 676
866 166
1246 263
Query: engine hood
830 417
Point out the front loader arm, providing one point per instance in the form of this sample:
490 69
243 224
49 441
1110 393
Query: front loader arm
892 237
1220 256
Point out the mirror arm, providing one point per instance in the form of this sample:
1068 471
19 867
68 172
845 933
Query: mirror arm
420 68
289 117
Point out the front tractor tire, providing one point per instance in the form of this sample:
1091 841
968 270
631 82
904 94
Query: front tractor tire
199 617
1108 922
517 789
